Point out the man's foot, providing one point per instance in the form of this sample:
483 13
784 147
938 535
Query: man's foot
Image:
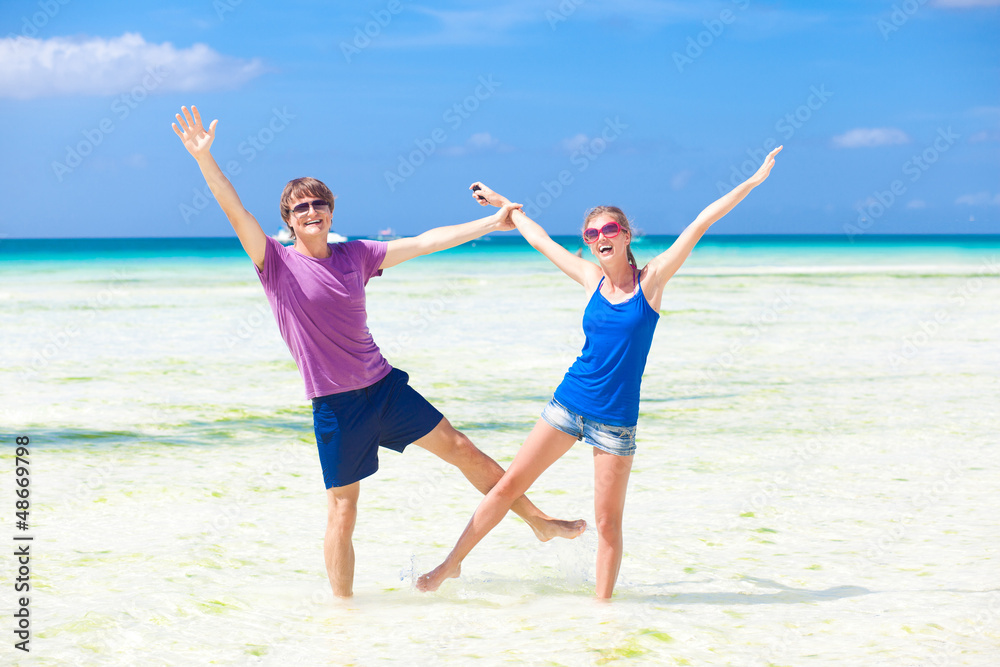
546 529
433 579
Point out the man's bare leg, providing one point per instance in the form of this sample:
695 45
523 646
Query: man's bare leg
338 548
455 447
543 447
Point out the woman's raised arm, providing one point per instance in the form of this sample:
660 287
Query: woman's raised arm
662 267
586 273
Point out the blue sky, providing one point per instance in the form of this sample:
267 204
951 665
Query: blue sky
889 112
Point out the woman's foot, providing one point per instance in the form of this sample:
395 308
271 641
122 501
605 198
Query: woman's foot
432 580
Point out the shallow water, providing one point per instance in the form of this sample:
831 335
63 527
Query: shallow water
816 479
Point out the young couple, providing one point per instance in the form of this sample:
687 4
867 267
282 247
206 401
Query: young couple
360 403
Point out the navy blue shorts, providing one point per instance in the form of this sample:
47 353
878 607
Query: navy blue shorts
352 425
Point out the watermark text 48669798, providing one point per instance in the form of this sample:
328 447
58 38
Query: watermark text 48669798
22 544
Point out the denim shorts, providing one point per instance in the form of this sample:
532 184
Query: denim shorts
617 440
351 426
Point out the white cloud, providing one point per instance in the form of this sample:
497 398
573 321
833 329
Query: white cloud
501 21
965 4
979 199
984 136
984 111
466 27
863 137
136 161
59 66
574 143
681 179
482 140
478 143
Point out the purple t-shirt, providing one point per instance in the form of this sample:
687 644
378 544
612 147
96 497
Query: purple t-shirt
320 308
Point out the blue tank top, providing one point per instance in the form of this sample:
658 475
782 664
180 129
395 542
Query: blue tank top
603 383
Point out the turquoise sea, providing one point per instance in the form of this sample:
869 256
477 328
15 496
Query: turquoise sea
816 479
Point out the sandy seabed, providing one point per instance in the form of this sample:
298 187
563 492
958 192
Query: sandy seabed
816 480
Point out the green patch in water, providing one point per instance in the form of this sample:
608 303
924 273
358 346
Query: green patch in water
656 634
215 607
609 655
747 515
766 530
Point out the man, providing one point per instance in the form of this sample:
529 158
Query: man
316 291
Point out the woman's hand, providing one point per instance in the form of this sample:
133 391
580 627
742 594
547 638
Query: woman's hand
485 196
502 217
197 140
765 169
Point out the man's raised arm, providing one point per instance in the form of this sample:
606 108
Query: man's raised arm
198 142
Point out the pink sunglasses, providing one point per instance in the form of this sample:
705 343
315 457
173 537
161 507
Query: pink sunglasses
609 230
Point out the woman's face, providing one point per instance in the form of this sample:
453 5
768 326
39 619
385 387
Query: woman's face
606 248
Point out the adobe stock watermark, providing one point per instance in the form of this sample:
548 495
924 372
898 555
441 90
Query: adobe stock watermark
927 329
252 146
249 325
901 13
233 508
453 116
804 455
786 126
64 337
365 34
946 653
714 28
729 359
882 200
430 311
582 156
562 12
223 7
121 108
97 478
47 10
929 495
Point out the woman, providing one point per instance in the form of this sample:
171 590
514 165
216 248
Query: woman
598 400
360 402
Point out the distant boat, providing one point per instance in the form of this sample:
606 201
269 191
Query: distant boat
284 236
387 234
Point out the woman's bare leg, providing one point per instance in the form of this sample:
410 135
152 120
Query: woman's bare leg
611 475
543 447
454 447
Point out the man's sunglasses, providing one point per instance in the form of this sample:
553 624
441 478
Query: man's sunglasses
318 205
609 230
